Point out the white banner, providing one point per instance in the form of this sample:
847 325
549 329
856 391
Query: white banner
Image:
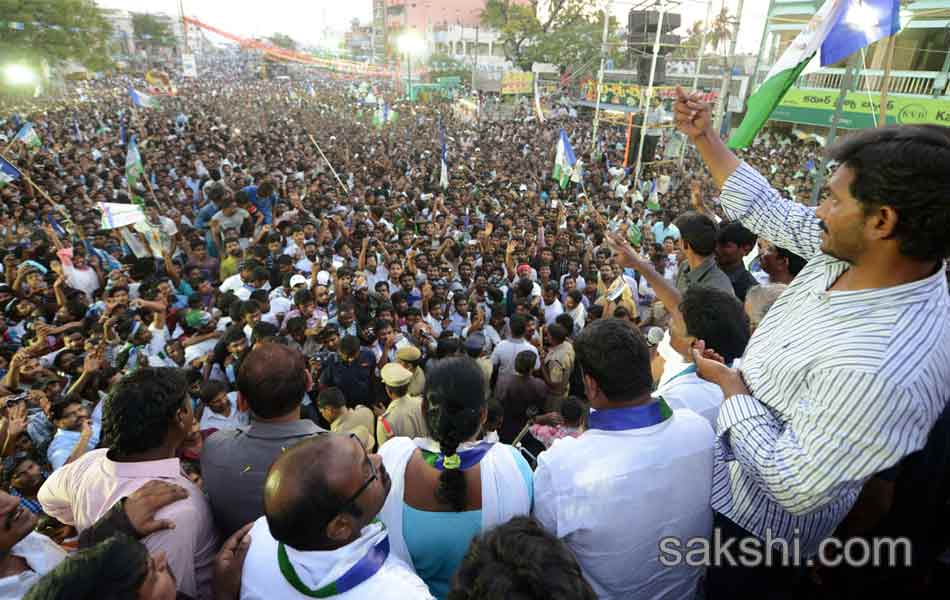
188 66
116 215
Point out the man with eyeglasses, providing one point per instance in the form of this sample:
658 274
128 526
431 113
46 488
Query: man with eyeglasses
319 536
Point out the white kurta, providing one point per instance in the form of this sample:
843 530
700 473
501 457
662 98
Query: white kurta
691 391
262 579
613 495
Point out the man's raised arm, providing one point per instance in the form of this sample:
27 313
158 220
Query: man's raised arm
746 195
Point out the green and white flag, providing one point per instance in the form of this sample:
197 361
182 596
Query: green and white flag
133 164
384 115
28 136
8 173
786 70
564 160
142 100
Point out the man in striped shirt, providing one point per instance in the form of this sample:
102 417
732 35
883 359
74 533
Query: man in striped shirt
849 370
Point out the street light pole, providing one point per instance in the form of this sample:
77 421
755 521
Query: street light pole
409 75
600 75
699 67
723 107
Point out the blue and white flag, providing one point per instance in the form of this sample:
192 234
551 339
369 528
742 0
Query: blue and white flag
564 160
76 130
141 99
28 136
312 92
133 164
55 225
837 30
862 23
444 178
8 173
122 132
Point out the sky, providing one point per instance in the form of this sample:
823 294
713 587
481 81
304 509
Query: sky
303 20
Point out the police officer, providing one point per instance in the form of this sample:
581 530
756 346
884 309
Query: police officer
409 357
403 416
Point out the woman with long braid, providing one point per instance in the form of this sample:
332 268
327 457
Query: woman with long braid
448 487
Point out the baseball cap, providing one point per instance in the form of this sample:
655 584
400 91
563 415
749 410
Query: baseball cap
298 280
323 278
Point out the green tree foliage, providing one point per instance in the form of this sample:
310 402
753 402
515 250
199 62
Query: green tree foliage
569 35
721 30
692 42
151 31
282 40
444 65
55 31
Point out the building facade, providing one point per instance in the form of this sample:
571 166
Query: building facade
917 90
449 27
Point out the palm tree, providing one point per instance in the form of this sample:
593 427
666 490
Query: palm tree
721 30
690 47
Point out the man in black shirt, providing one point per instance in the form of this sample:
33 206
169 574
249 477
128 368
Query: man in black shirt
733 243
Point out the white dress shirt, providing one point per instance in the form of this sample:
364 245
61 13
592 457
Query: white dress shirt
613 495
213 420
686 389
844 384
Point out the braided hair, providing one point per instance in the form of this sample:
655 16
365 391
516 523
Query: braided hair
455 397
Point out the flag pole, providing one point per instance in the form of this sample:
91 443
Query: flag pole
847 82
699 65
886 80
332 170
600 73
30 181
626 150
645 99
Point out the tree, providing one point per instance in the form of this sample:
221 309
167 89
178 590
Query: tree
55 31
721 30
691 45
282 40
570 34
152 32
444 65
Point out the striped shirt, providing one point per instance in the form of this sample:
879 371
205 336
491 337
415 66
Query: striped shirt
843 384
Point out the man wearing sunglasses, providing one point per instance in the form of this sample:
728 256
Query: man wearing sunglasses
320 536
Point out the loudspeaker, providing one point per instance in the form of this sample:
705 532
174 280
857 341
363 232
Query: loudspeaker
643 70
644 42
646 21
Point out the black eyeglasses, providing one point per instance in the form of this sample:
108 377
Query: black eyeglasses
374 475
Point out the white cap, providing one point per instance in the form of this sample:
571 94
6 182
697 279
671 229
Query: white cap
323 278
298 280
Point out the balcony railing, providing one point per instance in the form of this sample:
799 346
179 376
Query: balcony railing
902 82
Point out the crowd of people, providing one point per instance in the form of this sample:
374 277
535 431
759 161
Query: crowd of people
315 365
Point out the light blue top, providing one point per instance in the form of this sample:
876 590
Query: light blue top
660 232
437 541
65 441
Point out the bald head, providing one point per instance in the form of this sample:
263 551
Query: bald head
298 491
306 489
273 380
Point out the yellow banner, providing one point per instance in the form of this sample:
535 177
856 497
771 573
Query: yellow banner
859 108
516 82
624 93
